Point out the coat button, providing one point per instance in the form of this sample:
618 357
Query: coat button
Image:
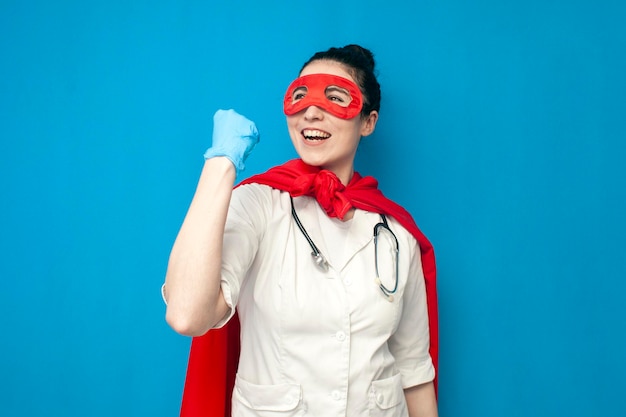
336 395
341 336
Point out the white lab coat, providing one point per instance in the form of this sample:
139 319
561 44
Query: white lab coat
321 343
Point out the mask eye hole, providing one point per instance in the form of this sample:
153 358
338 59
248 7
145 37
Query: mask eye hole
338 95
298 94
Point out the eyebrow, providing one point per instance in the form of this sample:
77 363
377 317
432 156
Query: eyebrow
338 89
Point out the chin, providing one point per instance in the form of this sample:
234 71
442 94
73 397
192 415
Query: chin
312 159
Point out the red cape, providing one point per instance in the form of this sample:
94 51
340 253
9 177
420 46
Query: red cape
214 357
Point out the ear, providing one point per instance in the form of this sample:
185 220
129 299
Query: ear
368 124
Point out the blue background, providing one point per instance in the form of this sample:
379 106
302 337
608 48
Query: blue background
502 130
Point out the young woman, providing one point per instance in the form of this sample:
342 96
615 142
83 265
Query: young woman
333 284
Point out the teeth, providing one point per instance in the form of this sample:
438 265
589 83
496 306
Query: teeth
315 134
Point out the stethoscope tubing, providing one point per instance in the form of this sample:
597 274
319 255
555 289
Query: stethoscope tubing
322 263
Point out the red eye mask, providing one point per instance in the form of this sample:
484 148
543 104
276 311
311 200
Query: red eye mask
336 95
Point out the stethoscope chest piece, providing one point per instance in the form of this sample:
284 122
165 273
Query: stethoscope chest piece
320 261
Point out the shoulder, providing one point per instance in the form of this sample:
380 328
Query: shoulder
253 198
258 191
252 190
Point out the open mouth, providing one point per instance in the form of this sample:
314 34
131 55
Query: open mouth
314 134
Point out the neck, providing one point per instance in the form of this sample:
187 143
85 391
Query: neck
344 175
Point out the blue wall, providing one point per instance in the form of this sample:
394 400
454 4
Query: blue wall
502 130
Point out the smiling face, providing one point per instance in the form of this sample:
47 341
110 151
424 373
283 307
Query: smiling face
322 138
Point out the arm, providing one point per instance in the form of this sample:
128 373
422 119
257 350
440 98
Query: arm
192 282
195 302
421 400
411 341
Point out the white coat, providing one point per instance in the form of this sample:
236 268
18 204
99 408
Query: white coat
321 343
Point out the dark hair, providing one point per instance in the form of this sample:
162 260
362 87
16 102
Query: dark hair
359 62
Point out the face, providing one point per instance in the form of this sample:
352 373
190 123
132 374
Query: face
323 127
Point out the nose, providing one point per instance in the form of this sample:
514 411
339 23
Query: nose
313 113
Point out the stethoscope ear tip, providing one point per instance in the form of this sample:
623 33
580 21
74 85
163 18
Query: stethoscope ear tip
386 294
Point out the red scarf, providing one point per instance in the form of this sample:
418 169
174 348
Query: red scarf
214 357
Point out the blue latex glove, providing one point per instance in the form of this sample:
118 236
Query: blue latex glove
234 137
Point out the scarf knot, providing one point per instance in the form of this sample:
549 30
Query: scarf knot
327 189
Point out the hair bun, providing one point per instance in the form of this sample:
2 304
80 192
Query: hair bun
366 54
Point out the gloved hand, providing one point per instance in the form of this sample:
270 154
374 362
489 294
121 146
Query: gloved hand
234 137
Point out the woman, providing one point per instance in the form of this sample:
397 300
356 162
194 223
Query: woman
346 332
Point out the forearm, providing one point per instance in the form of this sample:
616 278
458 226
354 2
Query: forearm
421 400
192 283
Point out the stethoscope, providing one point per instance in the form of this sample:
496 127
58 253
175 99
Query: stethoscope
322 263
